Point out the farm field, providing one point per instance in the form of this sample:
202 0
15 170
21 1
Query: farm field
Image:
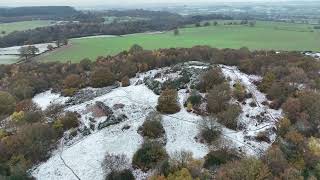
8 59
24 25
264 35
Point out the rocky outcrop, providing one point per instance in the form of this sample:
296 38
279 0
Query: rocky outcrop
88 94
106 109
112 120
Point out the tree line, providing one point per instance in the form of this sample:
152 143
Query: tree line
91 24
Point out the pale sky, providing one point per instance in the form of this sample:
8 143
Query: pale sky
105 2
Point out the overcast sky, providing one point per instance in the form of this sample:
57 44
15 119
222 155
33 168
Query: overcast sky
104 2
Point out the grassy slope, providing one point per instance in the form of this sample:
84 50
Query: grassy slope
266 35
24 25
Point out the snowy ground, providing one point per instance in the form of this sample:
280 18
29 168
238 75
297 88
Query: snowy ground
248 117
85 155
43 100
15 49
313 54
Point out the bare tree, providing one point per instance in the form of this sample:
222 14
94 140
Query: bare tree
209 130
24 53
50 47
181 159
113 162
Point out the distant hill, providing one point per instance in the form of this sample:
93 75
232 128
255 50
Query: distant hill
38 11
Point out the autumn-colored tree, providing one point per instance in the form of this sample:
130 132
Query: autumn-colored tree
229 116
314 146
168 102
276 160
249 168
292 109
72 81
291 174
102 77
239 91
69 120
17 117
310 104
267 81
26 105
33 141
297 76
7 104
294 137
283 126
210 79
183 174
125 81
218 98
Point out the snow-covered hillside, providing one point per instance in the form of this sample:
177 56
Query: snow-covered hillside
83 155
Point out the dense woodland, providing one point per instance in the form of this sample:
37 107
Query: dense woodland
91 24
290 80
31 13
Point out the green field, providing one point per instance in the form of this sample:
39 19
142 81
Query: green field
24 25
8 59
265 35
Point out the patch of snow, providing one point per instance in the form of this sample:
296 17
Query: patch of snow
15 49
99 36
249 115
181 129
43 100
315 55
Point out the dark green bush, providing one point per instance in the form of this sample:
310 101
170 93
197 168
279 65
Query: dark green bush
149 156
217 157
121 175
209 131
229 116
210 135
195 98
152 129
70 120
168 102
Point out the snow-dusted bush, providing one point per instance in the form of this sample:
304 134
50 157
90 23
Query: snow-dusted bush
115 163
168 102
149 156
218 98
210 132
69 120
239 92
215 158
210 79
229 116
152 127
121 175
125 81
7 104
194 98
